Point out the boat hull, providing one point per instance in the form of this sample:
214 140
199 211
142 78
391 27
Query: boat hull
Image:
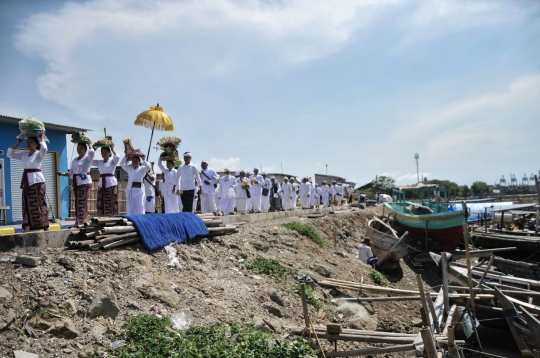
444 228
386 247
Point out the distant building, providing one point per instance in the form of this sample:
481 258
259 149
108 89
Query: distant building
319 178
55 160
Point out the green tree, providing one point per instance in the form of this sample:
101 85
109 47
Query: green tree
465 190
480 188
383 184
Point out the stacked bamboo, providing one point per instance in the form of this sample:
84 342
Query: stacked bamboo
109 232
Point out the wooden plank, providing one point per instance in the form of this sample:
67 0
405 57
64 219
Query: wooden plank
533 324
370 351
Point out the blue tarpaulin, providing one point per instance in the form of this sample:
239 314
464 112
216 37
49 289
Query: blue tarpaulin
158 230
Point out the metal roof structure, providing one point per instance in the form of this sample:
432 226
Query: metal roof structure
52 126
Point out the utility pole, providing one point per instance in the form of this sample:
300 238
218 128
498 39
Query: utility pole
416 156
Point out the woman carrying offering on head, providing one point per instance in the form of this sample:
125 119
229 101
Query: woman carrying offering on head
135 187
34 202
107 198
82 182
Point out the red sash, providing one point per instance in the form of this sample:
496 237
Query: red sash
103 176
25 184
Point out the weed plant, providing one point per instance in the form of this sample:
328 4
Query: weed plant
268 267
307 231
150 336
377 277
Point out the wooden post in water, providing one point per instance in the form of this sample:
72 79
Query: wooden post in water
444 267
452 350
537 210
471 291
429 343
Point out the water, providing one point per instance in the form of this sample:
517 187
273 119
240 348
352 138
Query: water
497 342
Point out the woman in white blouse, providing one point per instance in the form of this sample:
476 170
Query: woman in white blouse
82 182
107 197
171 183
34 203
135 187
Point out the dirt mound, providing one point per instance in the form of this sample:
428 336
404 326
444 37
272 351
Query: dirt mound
76 302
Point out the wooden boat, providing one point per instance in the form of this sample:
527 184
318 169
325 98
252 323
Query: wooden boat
518 269
525 329
428 218
524 244
385 243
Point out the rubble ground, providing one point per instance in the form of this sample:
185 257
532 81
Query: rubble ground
75 303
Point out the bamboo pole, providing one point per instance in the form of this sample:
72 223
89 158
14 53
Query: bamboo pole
449 317
122 242
436 323
365 339
423 295
370 351
117 237
452 350
117 230
304 305
425 317
444 267
491 259
429 343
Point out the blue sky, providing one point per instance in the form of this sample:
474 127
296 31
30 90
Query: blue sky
358 85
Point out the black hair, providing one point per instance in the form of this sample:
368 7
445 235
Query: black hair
84 145
139 158
107 149
38 146
170 161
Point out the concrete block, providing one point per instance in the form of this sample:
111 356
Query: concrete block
23 354
254 217
226 219
263 217
28 260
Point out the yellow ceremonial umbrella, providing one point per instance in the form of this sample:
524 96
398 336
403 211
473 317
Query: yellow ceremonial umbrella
154 118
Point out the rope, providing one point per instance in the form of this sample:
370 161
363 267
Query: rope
316 337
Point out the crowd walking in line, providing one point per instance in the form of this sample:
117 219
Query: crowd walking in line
180 189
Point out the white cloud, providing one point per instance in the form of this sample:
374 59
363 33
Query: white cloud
220 164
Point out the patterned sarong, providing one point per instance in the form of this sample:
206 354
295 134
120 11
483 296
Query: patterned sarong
34 207
107 201
82 193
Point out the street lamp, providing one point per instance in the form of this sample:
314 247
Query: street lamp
416 156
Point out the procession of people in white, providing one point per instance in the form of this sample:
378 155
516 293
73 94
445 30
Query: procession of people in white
241 192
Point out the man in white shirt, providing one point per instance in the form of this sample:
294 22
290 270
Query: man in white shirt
243 194
286 194
209 179
304 194
188 176
295 188
325 193
350 194
226 193
365 254
256 181
265 198
334 192
150 191
273 194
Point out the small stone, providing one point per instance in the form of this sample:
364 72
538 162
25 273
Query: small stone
70 306
417 322
273 309
63 328
23 354
98 331
274 296
323 270
197 258
6 318
104 304
90 269
261 246
28 260
5 296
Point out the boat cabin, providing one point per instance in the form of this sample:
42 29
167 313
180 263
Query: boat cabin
433 199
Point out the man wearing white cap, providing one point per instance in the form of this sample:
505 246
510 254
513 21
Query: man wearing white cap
242 193
311 193
334 192
265 198
286 194
275 189
226 193
295 188
316 197
188 176
325 193
209 180
304 194
256 181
